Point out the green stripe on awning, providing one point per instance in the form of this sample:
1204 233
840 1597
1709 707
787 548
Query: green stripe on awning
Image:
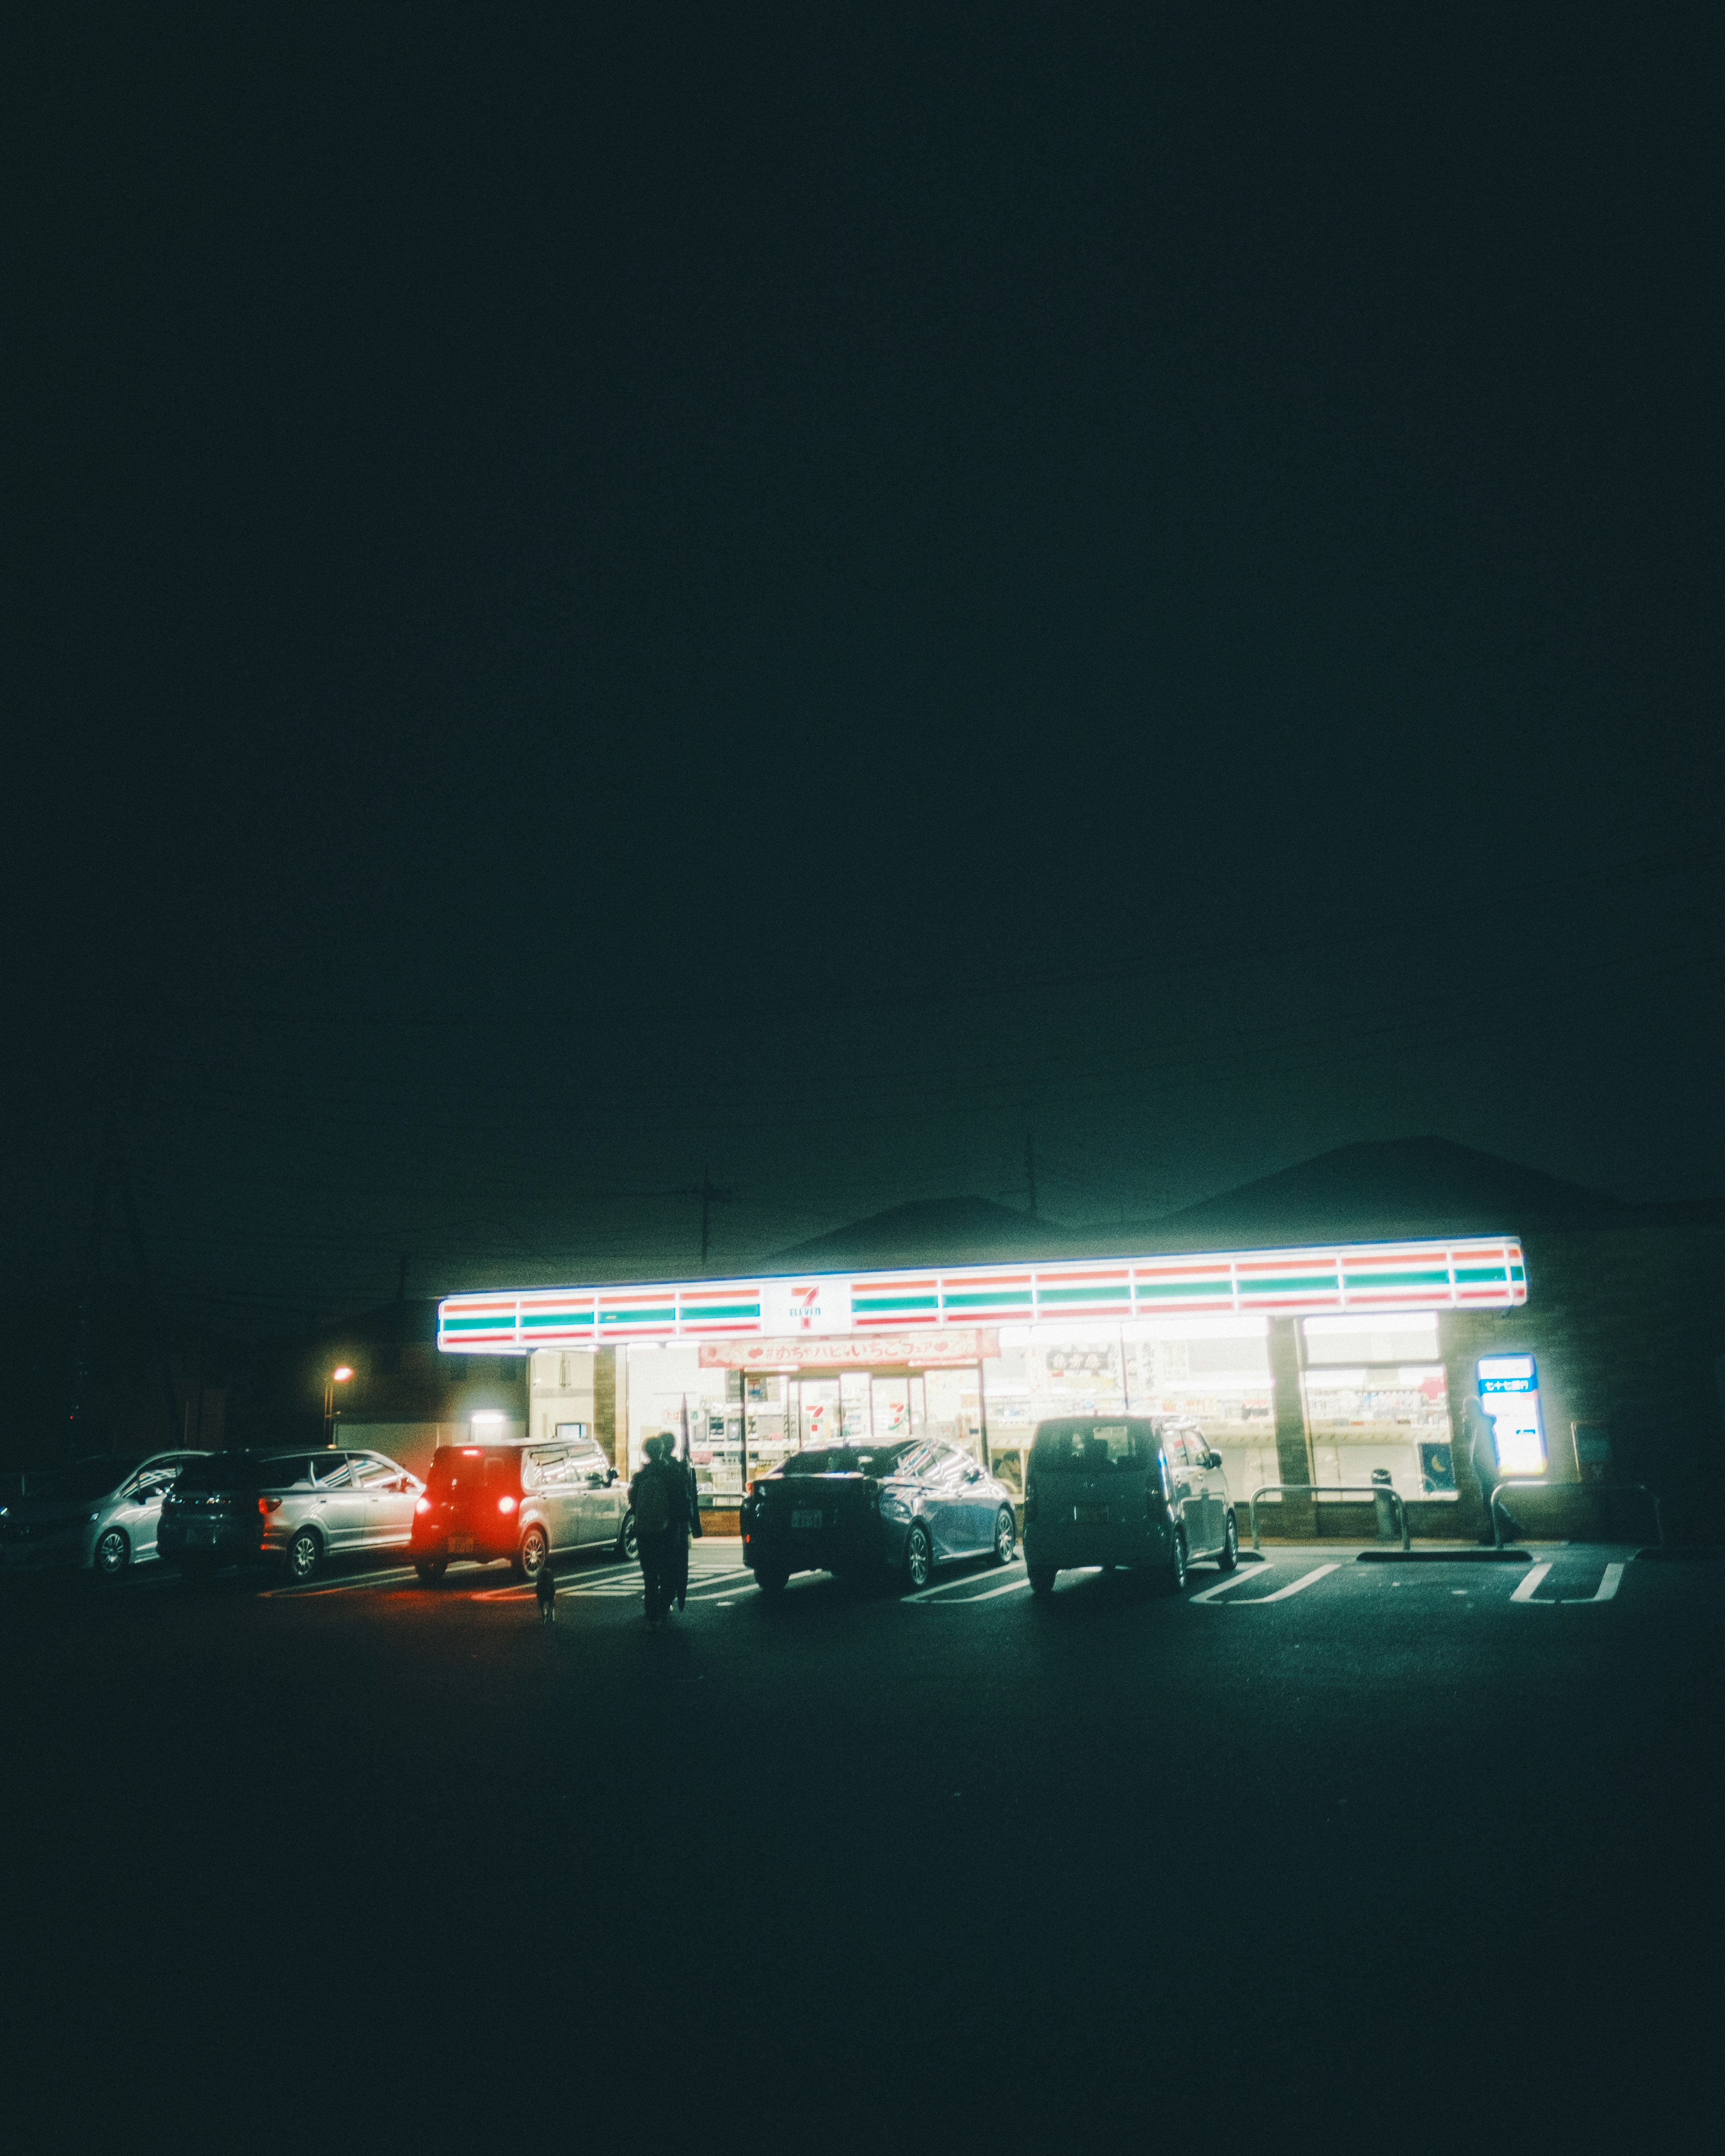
1050 1295
1425 1276
893 1302
1154 1291
666 1316
1018 1298
1301 1284
479 1324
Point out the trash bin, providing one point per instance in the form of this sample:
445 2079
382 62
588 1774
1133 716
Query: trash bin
1384 1504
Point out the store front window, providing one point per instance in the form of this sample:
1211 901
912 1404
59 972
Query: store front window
1376 1398
1214 1370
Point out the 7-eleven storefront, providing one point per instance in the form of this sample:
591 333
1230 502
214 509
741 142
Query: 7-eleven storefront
1310 1365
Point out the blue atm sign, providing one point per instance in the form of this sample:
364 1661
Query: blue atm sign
1509 1393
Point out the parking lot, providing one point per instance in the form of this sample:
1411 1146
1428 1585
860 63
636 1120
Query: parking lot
1555 1574
1345 1805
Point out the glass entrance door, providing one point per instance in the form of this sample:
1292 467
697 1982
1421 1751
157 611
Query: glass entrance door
819 1411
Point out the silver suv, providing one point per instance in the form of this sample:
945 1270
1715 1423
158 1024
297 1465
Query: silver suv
300 1506
100 1513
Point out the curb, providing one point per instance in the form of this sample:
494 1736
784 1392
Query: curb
1444 1557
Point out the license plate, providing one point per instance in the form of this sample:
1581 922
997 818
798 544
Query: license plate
460 1545
200 1531
808 1519
1091 1516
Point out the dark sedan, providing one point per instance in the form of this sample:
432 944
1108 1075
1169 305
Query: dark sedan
856 1509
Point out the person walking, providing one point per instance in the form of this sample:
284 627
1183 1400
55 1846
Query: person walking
1483 1450
654 1496
685 1522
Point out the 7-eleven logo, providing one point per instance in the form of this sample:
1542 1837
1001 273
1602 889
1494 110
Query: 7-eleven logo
790 1307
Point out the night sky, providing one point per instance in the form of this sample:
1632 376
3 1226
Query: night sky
597 594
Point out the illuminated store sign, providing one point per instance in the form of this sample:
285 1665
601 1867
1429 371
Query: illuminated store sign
1509 1393
1479 1273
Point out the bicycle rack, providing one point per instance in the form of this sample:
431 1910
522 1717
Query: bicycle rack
1335 1489
1589 1489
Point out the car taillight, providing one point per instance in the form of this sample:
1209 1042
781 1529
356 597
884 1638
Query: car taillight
505 1504
423 1504
269 1504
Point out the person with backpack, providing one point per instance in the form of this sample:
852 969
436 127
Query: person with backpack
656 1498
685 1522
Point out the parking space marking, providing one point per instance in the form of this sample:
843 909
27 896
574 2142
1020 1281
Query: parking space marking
369 1580
1235 1579
952 1587
988 1593
1294 1586
1605 1592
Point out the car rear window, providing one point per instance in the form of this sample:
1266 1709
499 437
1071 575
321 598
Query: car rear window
94 1478
1093 1448
847 1460
471 1466
221 1470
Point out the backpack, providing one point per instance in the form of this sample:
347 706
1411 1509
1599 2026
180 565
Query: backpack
652 1501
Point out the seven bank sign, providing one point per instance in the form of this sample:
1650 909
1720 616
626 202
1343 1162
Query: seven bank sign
793 1306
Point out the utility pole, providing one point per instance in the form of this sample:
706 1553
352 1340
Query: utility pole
1030 1168
113 1172
86 1290
710 1193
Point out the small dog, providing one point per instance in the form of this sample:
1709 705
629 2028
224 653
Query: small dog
545 1592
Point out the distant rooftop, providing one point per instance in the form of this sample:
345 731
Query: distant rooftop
956 1230
1371 1192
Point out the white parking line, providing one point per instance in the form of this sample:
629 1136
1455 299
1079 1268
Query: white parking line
1010 1587
1605 1591
1235 1579
339 1586
952 1587
1294 1586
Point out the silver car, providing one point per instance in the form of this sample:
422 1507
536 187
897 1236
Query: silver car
99 1513
1146 1492
299 1506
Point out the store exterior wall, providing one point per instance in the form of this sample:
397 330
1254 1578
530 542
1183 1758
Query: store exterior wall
562 1396
1625 1326
1295 1364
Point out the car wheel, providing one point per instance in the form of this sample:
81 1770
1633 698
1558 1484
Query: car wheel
529 1558
1173 1569
305 1555
1006 1536
771 1582
919 1555
113 1553
431 1569
1228 1555
1042 1579
627 1545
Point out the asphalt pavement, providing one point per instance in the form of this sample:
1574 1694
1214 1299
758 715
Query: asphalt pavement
1324 1849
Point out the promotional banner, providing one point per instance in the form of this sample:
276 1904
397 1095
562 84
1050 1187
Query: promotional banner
926 1351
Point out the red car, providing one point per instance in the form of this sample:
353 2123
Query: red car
519 1502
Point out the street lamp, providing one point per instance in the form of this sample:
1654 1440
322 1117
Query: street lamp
339 1375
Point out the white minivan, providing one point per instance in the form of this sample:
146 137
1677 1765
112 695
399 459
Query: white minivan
1141 1491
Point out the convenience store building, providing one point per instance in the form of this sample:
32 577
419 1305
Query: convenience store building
1315 1363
